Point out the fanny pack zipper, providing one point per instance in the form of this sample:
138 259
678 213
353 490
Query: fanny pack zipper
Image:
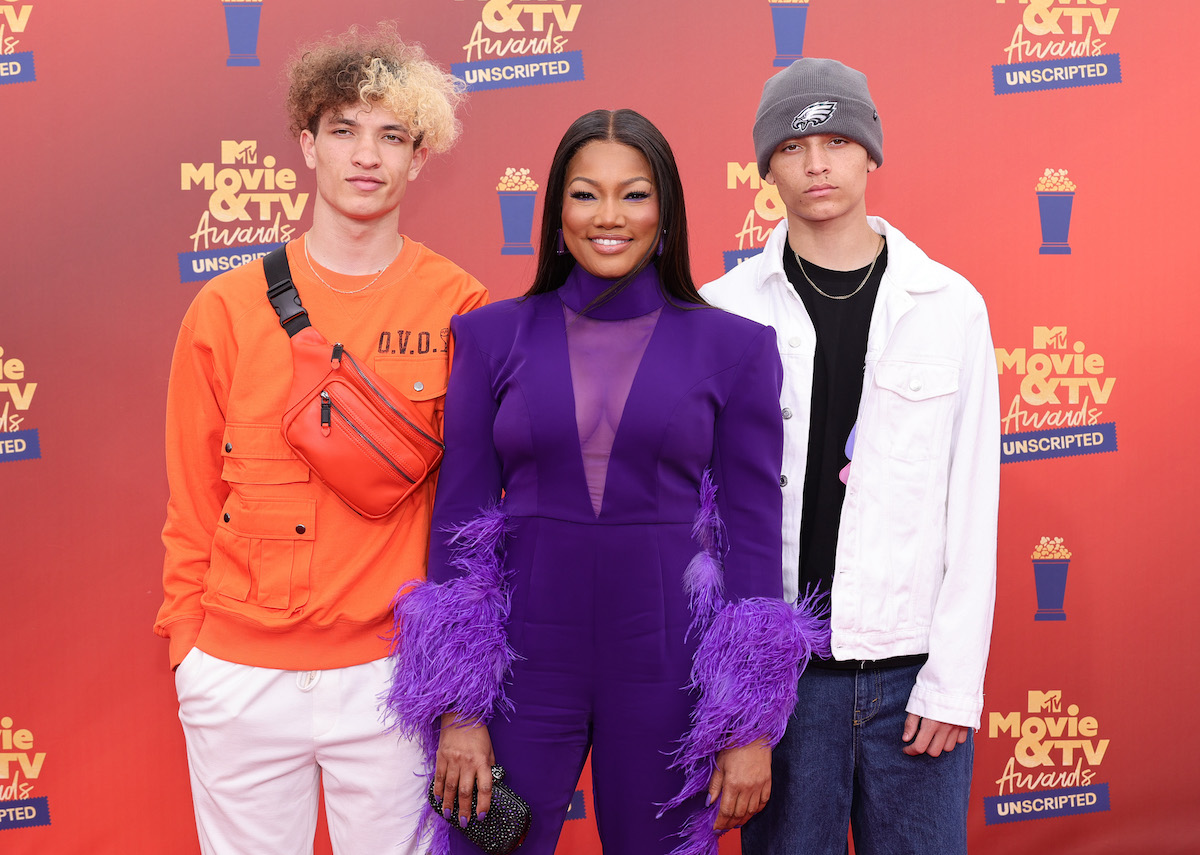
327 401
338 352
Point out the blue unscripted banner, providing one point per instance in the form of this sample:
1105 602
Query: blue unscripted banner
1060 442
20 445
1056 74
202 266
17 68
734 257
25 813
520 70
1044 804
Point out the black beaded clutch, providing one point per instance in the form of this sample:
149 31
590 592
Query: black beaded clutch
507 819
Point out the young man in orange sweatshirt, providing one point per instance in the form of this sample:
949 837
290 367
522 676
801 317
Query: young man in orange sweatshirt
277 594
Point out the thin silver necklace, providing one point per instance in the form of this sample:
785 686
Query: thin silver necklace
870 269
313 268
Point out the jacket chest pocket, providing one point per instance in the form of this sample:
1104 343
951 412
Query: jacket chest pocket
421 379
914 407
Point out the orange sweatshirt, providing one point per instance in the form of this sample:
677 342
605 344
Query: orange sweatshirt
264 564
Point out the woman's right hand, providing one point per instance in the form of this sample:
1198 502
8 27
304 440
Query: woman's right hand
464 763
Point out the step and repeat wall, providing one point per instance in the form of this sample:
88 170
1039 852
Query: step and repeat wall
1043 148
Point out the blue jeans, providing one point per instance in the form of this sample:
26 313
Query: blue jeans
841 764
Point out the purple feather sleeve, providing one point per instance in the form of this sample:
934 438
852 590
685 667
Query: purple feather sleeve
704 578
450 647
750 655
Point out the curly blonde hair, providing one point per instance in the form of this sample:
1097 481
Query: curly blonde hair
374 67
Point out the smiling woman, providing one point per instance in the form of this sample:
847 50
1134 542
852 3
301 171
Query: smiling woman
634 149
632 567
610 213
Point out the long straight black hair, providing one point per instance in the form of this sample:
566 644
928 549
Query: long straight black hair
636 131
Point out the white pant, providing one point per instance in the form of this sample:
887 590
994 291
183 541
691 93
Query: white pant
259 742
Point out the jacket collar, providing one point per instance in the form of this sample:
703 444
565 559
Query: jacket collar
908 267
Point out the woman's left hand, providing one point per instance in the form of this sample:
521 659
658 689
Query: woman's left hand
742 781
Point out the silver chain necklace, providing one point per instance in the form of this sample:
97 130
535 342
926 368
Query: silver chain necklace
870 270
320 279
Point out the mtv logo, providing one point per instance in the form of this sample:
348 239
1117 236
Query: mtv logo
1045 701
1044 337
233 151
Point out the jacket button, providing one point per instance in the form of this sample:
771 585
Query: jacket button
228 447
418 385
300 529
915 384
782 480
795 341
226 518
787 412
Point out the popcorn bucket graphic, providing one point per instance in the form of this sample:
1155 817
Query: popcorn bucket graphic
788 18
517 191
1055 211
241 29
1050 578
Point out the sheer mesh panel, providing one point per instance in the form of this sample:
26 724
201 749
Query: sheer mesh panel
604 355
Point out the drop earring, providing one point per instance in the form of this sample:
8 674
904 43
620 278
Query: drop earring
560 246
661 240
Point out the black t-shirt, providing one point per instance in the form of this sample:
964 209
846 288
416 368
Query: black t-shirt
842 326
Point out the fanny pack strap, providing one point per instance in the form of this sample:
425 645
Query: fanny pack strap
383 447
282 293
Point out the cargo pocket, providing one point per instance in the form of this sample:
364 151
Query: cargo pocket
916 405
258 454
421 379
262 549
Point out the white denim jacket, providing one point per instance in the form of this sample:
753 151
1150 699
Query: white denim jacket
916 558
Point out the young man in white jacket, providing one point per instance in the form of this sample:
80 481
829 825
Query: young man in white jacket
890 483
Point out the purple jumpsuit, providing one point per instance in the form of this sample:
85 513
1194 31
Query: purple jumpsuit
596 430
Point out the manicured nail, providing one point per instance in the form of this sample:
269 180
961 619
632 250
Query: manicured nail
446 813
708 800
462 822
482 815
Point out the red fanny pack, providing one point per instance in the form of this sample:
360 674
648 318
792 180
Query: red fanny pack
365 440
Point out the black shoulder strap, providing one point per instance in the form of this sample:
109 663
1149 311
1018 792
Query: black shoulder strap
282 292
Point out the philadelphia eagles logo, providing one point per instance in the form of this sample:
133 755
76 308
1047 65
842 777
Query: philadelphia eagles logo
813 115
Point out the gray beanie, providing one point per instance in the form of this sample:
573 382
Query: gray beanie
816 96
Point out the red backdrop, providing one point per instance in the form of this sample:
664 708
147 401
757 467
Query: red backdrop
116 116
